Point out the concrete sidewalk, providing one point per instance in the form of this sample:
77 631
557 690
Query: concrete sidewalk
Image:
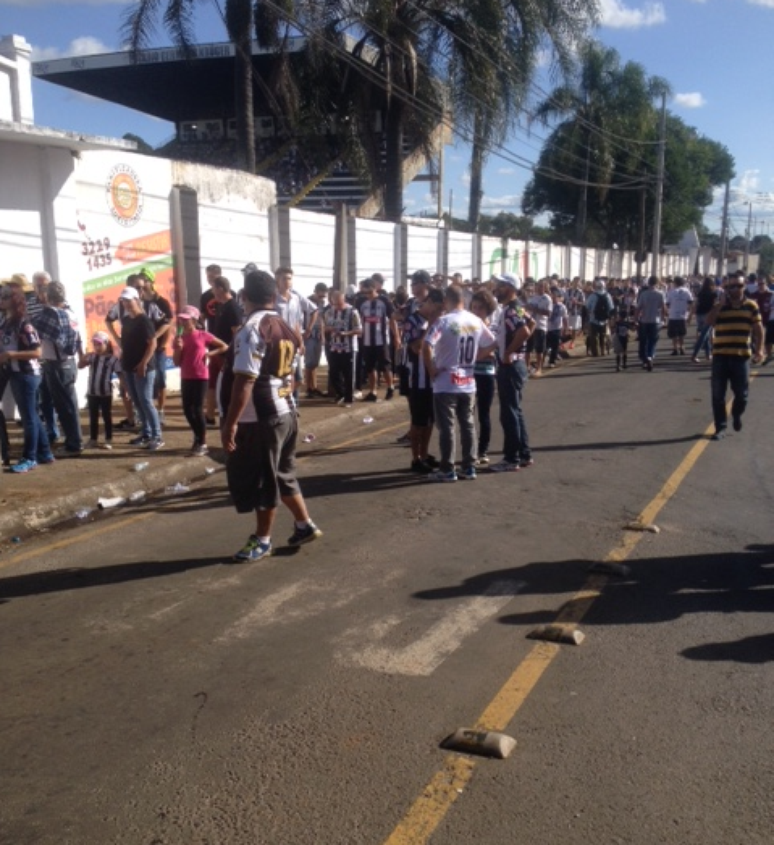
58 492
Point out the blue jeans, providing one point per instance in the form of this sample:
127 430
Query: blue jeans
485 390
47 411
648 341
703 336
25 393
60 378
729 369
141 392
449 407
511 379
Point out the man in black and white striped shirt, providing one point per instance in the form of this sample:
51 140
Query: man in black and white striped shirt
376 314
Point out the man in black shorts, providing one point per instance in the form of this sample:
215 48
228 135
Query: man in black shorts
376 315
420 393
260 429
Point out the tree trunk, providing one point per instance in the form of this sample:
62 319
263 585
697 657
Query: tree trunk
244 105
393 170
476 177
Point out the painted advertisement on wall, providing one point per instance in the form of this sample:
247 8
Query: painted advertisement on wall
123 224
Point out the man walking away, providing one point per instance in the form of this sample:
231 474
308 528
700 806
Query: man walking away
651 311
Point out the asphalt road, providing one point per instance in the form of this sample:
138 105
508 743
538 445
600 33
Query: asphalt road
154 693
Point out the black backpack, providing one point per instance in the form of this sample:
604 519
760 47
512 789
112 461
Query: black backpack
602 310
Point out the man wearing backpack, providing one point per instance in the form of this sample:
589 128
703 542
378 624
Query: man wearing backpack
600 309
60 344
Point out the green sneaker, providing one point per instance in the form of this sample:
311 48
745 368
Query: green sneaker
253 549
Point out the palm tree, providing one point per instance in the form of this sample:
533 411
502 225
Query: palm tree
424 57
506 70
242 19
603 109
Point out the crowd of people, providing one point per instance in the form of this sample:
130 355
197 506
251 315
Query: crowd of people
448 345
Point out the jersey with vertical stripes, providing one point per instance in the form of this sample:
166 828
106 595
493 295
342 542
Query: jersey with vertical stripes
414 328
733 328
102 368
375 315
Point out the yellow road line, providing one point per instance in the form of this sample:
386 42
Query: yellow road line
69 541
114 525
437 798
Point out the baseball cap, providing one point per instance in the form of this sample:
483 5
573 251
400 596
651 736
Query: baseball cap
508 279
129 293
190 312
250 267
420 277
100 337
147 274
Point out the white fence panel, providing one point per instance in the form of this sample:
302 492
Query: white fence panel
461 254
538 261
231 236
492 255
422 249
375 250
517 258
312 238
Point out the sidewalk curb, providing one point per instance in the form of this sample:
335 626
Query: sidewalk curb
28 520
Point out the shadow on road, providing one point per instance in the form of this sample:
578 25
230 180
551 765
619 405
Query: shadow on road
748 650
658 590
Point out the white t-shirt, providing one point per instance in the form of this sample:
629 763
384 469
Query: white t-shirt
678 302
545 303
455 339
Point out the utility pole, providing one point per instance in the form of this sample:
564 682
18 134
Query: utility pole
659 190
724 233
641 253
748 239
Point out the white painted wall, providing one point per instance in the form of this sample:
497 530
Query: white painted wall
461 254
422 249
375 251
312 238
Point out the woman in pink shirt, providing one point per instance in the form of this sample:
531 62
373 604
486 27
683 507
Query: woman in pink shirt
191 350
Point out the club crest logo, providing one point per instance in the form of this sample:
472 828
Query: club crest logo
124 195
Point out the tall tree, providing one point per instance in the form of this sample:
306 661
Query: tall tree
242 19
601 111
503 73
424 56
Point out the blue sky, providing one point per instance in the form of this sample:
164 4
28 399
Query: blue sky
714 53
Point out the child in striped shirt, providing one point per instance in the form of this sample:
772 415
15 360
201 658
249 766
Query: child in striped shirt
102 364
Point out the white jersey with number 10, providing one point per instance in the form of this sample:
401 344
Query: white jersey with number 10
455 339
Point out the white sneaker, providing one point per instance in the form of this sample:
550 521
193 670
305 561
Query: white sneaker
504 466
107 445
358 394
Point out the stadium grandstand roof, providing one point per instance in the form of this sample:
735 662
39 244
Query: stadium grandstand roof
165 82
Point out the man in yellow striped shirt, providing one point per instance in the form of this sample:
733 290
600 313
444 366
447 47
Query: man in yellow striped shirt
737 321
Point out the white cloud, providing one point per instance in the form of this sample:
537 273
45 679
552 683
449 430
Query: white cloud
505 171
504 202
616 15
465 178
85 45
769 4
693 100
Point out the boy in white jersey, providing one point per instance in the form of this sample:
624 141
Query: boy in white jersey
450 351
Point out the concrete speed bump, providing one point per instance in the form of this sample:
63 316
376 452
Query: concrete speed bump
558 633
642 526
483 743
621 570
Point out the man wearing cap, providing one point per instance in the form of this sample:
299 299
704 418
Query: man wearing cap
737 322
420 388
513 330
138 345
61 343
260 430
